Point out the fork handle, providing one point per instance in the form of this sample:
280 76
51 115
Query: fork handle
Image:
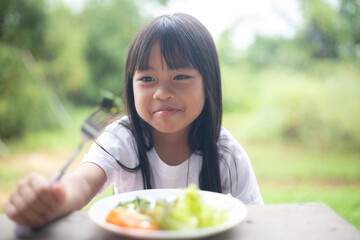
56 177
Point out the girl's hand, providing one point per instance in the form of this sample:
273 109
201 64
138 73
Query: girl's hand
34 203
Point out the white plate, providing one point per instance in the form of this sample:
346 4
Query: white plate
100 209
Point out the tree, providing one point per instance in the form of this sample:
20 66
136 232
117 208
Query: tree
22 24
64 60
110 26
320 28
349 12
22 28
331 31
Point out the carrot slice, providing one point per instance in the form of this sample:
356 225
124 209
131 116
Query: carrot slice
129 219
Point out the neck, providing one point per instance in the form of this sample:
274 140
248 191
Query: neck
172 148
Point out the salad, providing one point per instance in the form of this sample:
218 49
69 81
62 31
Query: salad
184 213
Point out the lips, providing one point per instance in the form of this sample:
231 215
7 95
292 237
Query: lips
165 111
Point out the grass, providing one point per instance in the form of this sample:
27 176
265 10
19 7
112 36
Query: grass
8 176
287 173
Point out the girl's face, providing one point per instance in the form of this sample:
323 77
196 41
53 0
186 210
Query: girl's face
168 100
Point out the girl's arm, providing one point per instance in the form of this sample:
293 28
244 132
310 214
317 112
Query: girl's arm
34 203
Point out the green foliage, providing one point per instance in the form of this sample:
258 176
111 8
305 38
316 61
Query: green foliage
318 108
64 61
320 30
22 24
238 89
302 90
110 27
51 57
292 53
331 32
55 139
350 14
21 106
327 32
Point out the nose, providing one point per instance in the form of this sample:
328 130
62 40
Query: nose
164 91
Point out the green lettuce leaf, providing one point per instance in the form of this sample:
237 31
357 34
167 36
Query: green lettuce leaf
187 212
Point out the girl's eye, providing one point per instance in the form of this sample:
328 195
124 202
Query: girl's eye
181 77
147 79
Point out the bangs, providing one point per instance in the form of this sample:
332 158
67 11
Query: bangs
176 47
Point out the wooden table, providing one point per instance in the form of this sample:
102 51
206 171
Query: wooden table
279 221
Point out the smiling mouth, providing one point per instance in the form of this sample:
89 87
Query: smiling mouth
165 112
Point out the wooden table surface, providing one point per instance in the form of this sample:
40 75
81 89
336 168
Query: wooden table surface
304 221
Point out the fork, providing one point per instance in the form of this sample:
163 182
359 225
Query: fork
90 129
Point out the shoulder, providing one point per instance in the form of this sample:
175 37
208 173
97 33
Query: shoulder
115 144
225 135
117 129
232 155
117 135
117 125
228 144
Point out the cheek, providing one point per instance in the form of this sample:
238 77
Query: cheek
197 101
201 96
137 100
140 102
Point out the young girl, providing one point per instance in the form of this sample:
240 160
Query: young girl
170 138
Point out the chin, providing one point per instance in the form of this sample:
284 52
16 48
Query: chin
168 129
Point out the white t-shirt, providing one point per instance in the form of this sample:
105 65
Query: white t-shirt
237 175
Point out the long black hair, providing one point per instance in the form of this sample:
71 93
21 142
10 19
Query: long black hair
184 42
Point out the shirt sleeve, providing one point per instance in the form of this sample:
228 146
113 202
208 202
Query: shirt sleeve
237 174
115 145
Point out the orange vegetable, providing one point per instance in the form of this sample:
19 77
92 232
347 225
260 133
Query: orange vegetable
129 219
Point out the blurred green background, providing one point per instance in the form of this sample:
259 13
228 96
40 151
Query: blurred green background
292 103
